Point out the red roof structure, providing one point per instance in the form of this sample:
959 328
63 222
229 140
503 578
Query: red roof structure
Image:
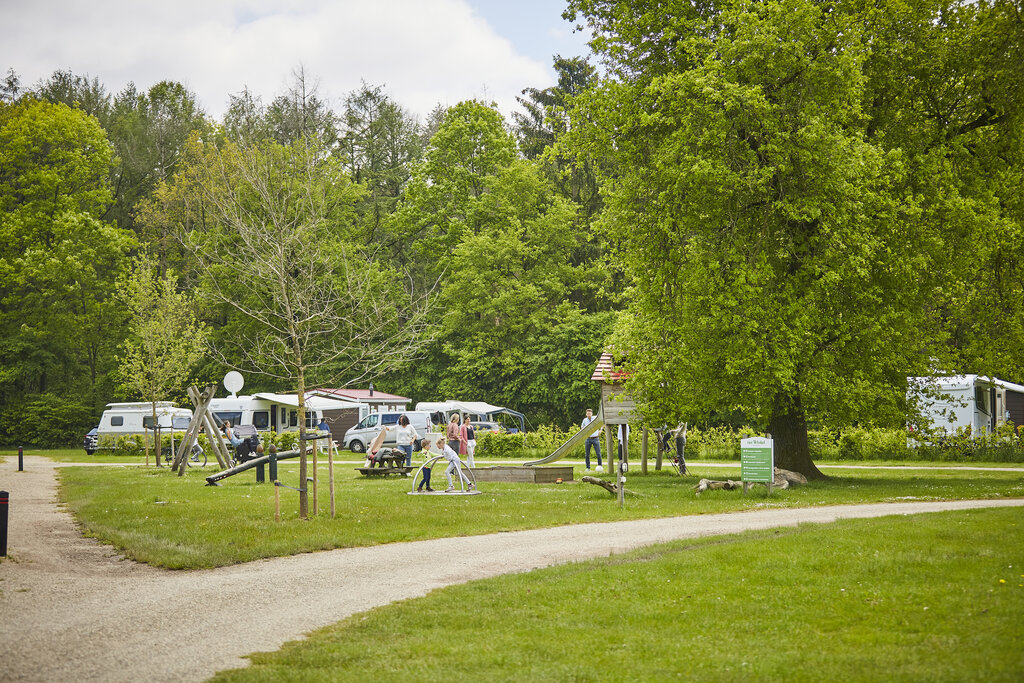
606 372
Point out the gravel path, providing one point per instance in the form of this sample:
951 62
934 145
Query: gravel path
72 609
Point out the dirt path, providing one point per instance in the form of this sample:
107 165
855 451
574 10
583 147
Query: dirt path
71 609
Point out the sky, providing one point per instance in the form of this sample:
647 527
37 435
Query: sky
422 52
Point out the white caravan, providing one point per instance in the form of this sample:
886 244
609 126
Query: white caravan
981 403
137 418
277 412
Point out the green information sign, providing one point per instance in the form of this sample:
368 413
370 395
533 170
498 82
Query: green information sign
757 460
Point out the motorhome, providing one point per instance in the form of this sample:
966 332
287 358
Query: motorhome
980 403
362 434
123 419
278 412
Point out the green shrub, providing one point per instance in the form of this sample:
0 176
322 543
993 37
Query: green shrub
489 444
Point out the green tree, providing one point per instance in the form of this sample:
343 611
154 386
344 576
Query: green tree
517 329
779 265
58 260
165 338
379 143
945 86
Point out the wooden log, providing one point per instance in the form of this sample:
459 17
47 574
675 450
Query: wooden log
607 486
783 479
710 484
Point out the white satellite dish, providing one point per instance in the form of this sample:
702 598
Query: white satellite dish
233 382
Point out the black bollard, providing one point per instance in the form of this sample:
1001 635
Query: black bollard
4 498
272 460
260 478
21 460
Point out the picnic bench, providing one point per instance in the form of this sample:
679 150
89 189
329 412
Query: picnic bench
384 471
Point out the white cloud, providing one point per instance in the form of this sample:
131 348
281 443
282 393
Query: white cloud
423 52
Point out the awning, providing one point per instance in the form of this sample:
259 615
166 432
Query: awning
320 403
474 407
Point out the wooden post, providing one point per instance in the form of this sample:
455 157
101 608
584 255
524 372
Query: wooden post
277 502
216 439
330 473
643 451
609 453
158 447
661 452
316 505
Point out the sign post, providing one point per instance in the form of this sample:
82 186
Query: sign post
757 462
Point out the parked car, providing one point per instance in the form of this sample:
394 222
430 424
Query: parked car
492 427
90 441
359 437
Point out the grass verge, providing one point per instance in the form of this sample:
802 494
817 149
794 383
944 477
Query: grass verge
923 597
153 516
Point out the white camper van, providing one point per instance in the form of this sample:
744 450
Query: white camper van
277 412
120 419
360 436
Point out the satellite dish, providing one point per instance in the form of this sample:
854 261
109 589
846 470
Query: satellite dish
233 382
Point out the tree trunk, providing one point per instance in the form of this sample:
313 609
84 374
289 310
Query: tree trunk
303 469
788 427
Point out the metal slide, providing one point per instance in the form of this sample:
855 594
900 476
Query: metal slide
574 441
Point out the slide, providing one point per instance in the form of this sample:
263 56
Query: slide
575 440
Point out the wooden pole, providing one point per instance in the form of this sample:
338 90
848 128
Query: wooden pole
330 472
643 452
316 505
277 502
212 430
661 452
609 453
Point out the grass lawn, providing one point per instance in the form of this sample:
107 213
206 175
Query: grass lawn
156 517
935 597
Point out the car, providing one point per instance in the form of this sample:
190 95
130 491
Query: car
492 427
90 441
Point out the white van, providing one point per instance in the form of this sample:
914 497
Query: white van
121 419
360 436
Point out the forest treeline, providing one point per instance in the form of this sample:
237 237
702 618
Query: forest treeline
772 212
463 213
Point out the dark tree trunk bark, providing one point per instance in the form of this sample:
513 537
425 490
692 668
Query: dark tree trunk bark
788 428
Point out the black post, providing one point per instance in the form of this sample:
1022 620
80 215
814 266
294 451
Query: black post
260 477
272 460
21 460
4 497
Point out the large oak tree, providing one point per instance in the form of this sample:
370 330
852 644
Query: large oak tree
785 262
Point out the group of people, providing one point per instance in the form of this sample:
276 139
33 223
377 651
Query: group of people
459 439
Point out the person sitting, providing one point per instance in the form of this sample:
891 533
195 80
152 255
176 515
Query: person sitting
234 440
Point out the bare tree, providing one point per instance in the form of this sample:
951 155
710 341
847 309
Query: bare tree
274 245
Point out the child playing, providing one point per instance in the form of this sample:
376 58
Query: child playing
454 465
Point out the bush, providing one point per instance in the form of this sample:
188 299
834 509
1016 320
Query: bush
46 421
489 444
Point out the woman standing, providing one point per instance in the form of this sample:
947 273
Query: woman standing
405 434
454 433
468 440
